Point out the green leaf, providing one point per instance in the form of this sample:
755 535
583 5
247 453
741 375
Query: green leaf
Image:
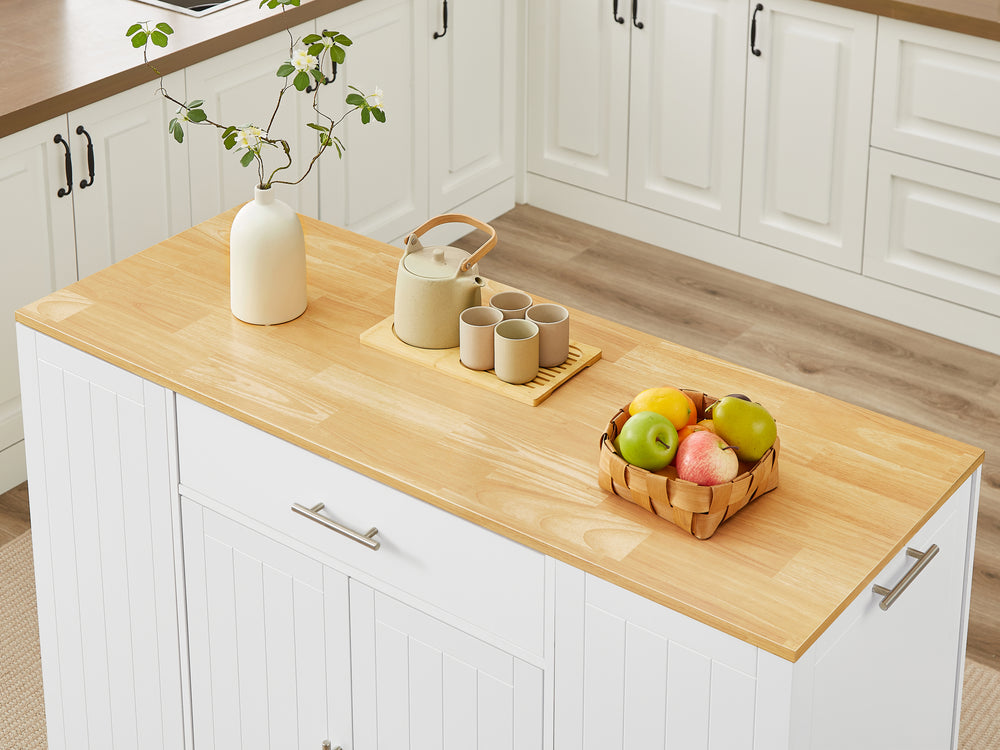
318 75
285 70
196 103
378 114
133 28
159 38
317 126
229 131
301 80
229 141
165 28
355 100
311 39
355 88
197 115
247 159
343 39
139 39
315 49
366 115
338 55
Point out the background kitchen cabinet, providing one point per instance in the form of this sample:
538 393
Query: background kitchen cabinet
473 110
138 196
379 189
103 530
648 110
809 99
240 87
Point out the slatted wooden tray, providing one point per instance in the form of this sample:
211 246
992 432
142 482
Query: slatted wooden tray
381 336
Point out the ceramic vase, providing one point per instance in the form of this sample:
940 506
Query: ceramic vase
267 261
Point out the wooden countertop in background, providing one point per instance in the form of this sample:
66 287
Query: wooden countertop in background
59 55
854 487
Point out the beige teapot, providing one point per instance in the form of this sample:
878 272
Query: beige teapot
435 284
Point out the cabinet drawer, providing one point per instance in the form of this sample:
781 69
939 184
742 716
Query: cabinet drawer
453 564
937 96
934 229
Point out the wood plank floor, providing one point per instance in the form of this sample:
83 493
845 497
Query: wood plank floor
913 376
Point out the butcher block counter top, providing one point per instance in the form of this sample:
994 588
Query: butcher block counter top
854 485
86 56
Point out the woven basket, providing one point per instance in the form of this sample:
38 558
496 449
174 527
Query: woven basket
696 509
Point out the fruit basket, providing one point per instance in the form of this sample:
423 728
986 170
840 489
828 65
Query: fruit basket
696 509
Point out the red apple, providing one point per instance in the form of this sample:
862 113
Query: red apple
705 459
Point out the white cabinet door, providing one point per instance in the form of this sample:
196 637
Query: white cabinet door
809 99
240 88
420 683
686 109
138 193
471 71
37 256
268 630
101 467
379 189
578 83
632 675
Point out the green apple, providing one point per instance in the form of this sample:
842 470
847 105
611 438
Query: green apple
745 425
648 440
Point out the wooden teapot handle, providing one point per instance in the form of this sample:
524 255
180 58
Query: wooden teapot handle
460 218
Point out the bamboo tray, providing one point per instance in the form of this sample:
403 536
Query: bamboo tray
381 336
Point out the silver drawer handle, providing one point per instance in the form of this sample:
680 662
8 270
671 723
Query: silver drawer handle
313 515
889 596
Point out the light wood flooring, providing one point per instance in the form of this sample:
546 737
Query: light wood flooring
913 376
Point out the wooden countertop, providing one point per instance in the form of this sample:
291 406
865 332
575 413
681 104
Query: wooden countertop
86 57
855 485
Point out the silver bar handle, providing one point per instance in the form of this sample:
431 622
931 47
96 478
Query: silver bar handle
313 515
889 596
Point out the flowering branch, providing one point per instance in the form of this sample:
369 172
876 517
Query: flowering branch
302 71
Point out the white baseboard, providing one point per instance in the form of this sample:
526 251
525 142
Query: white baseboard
13 469
865 294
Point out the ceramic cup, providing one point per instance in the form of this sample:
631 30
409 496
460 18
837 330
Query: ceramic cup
553 333
511 304
515 350
475 336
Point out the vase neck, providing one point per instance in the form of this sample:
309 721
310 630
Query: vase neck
263 195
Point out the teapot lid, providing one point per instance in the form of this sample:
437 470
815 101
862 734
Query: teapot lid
440 262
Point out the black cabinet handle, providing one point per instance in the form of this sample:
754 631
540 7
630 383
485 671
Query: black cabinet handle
326 79
90 158
753 30
614 10
444 13
635 15
64 191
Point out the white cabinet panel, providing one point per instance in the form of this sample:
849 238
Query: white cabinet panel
578 71
139 192
240 88
38 257
807 130
379 189
937 96
420 683
102 516
686 110
269 635
935 229
471 72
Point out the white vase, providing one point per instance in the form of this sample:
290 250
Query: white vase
267 262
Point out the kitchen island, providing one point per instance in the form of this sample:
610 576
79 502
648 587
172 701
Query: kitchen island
164 433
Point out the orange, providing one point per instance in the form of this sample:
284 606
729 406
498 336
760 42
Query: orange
686 432
671 402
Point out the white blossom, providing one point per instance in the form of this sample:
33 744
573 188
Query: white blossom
375 98
303 61
249 137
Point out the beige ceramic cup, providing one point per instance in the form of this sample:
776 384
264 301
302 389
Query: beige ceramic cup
511 304
515 350
475 336
553 333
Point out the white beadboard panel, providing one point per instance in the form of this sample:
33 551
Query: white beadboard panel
421 683
688 76
650 678
809 99
935 229
102 510
937 96
265 625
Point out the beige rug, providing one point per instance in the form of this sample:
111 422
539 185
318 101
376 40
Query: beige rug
22 711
